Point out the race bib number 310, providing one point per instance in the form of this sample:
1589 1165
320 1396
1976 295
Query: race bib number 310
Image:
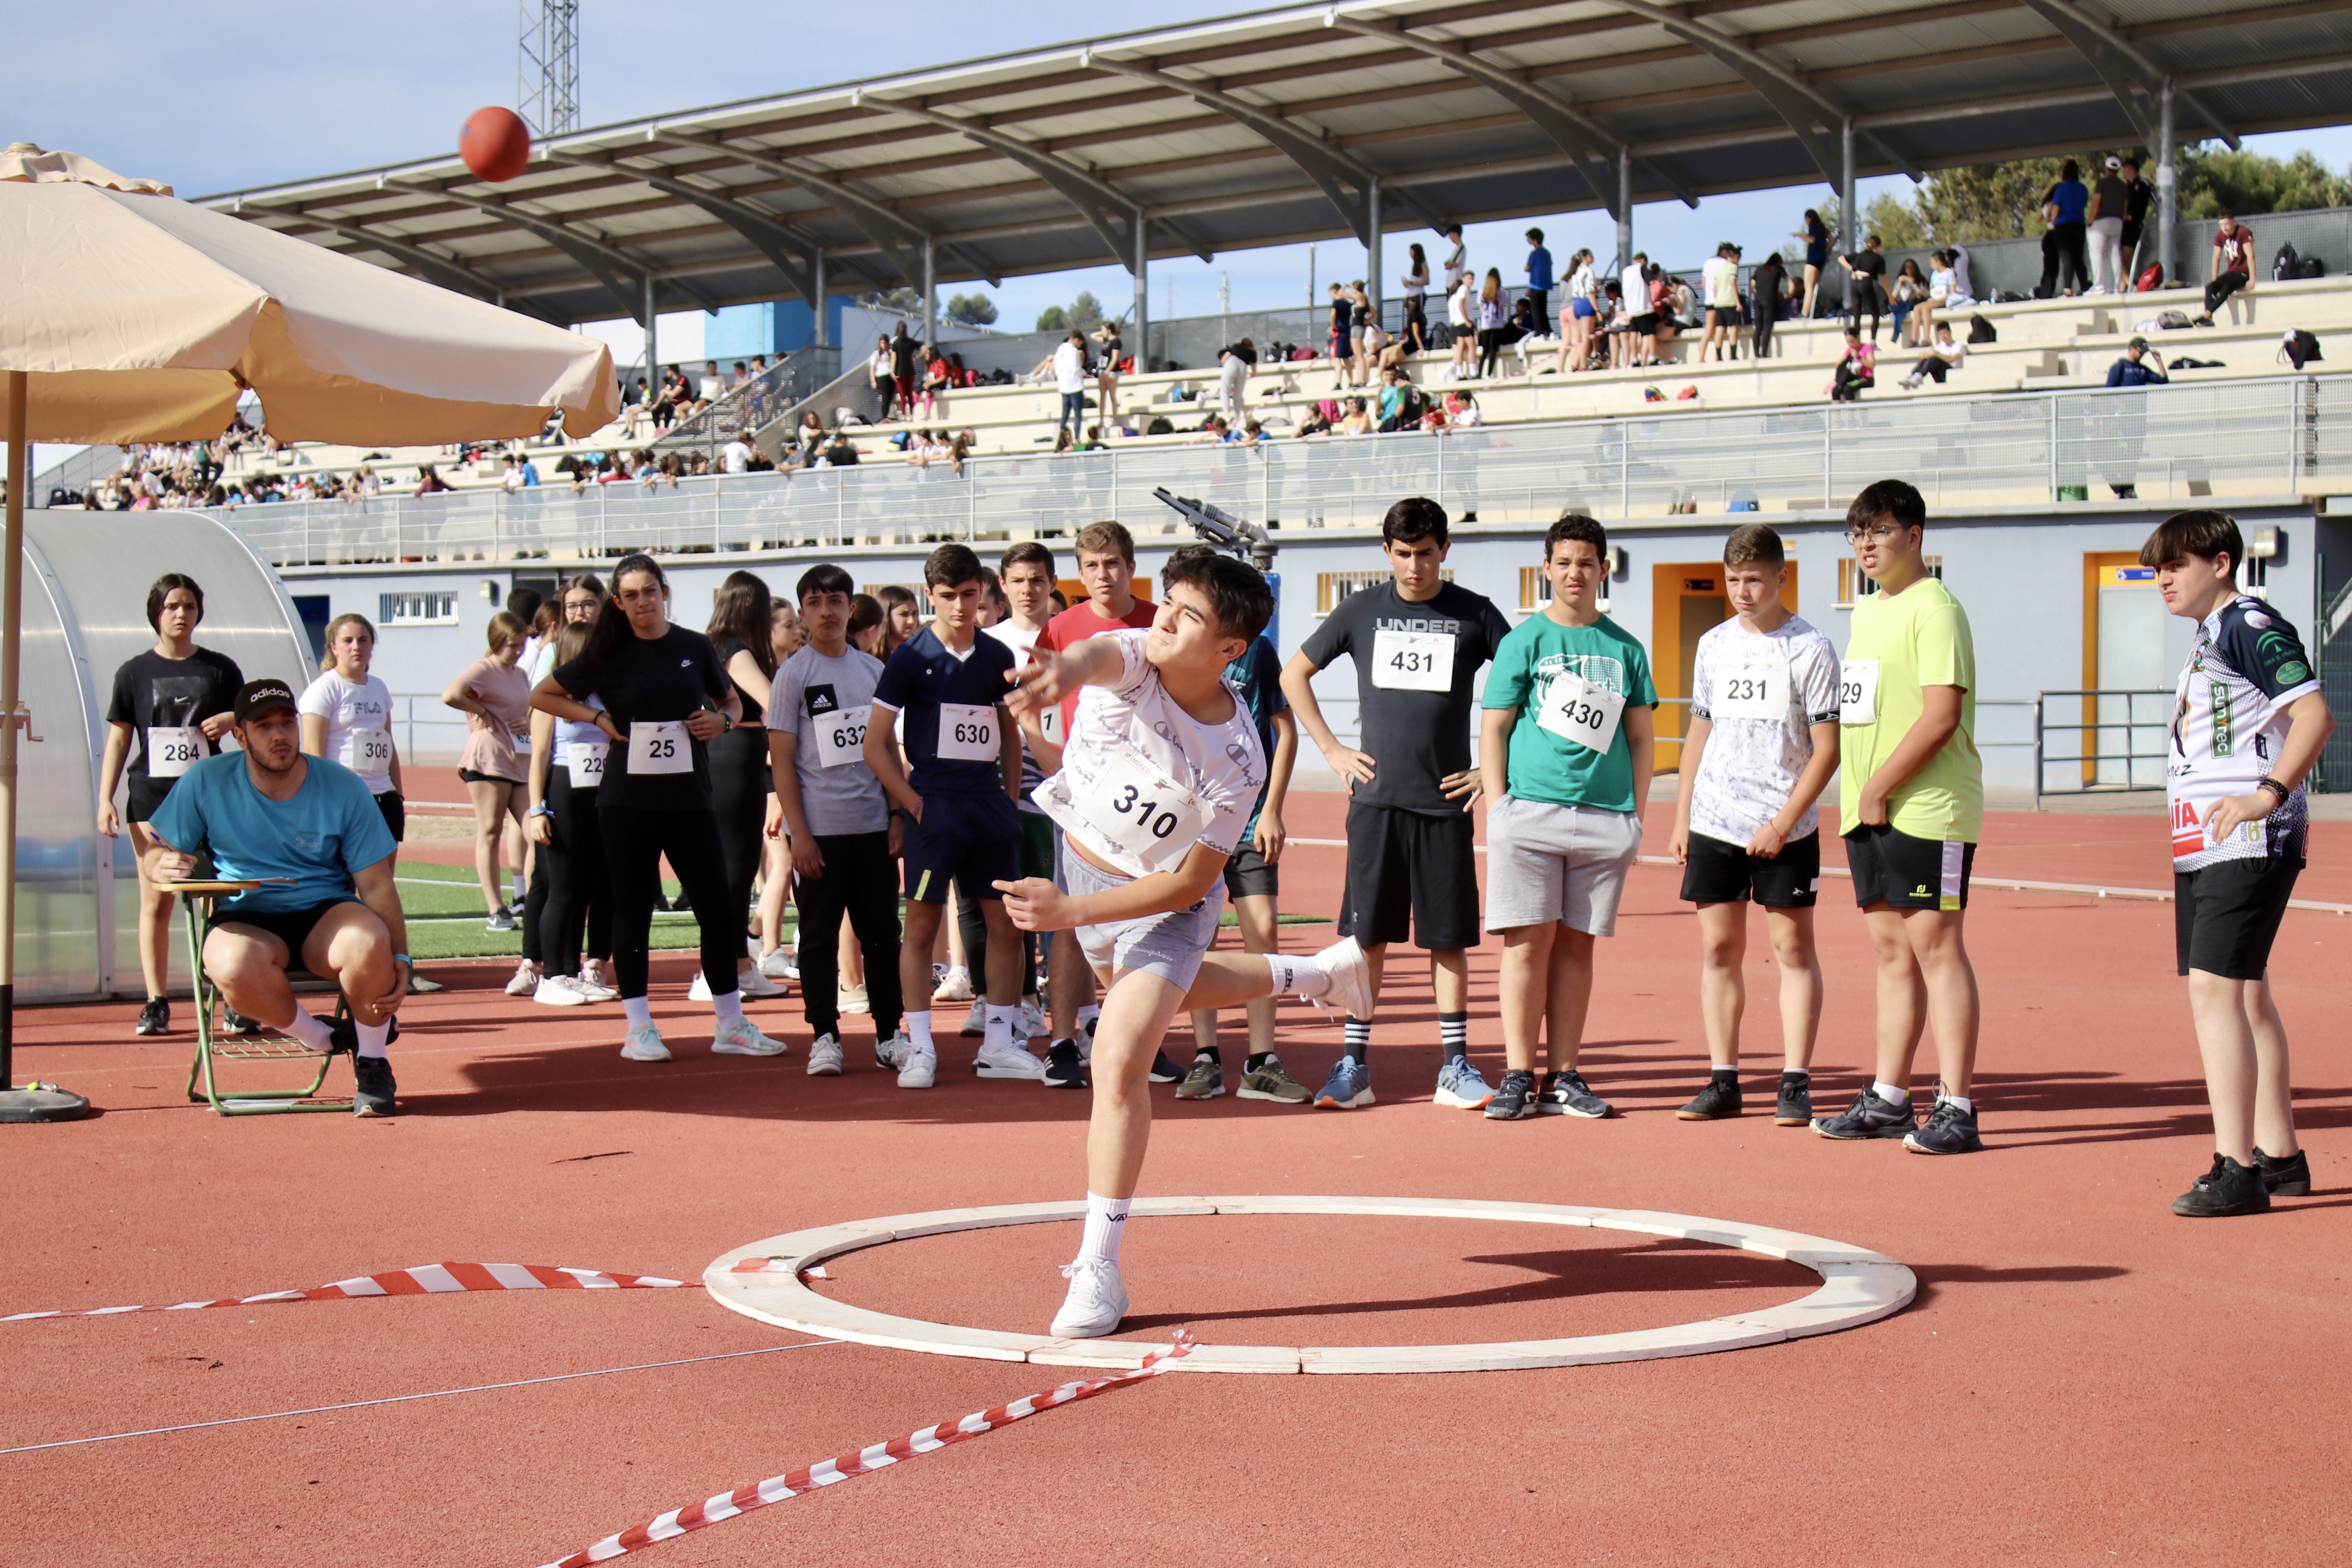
1142 811
1576 709
967 733
1413 661
662 747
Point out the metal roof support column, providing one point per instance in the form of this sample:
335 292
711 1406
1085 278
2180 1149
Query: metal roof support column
819 334
930 295
1625 211
653 357
1849 220
1143 292
2168 215
1372 245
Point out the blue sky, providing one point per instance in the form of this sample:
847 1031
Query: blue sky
280 89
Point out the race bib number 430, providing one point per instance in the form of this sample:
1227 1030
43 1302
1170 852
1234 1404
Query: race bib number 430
1413 661
967 733
1576 709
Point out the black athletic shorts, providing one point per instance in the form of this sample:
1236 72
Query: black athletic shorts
395 815
1250 875
2225 916
1907 873
1721 873
145 796
292 927
971 839
1407 869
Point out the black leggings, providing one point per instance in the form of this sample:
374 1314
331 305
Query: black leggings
577 886
1764 335
634 842
739 794
2064 249
1490 351
1933 367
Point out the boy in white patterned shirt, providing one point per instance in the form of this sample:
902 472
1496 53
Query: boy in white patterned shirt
1762 745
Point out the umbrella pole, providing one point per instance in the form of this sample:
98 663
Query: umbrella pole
40 1102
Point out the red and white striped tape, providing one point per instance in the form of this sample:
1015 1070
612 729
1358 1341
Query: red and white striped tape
929 1440
424 1279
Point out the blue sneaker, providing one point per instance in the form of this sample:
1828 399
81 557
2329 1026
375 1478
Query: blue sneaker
1869 1117
1460 1085
1349 1086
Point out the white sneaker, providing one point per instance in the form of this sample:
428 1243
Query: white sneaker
592 981
975 1023
1032 1019
893 1052
526 979
1008 1062
825 1057
920 1069
853 999
755 982
1096 1301
645 1046
742 1038
700 990
953 986
1351 993
561 991
778 965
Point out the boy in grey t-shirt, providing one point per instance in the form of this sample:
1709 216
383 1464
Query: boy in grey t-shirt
844 837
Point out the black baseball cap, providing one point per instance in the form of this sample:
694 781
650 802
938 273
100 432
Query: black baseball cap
256 698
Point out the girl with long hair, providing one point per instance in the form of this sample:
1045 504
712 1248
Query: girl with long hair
567 765
742 630
1493 317
494 697
1416 290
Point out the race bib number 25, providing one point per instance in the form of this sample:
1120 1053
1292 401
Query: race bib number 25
661 747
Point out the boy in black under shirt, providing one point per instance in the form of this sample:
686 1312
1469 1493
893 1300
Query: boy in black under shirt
962 821
1418 642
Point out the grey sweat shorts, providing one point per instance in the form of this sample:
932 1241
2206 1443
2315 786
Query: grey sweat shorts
1169 945
1563 864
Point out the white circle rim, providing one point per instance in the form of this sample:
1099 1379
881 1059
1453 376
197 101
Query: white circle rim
762 1280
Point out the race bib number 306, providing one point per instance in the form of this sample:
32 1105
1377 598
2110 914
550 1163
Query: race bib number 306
1858 691
1413 661
659 747
967 733
367 751
1576 709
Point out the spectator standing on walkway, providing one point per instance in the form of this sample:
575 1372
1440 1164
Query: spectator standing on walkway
1458 257
2062 247
878 372
2110 204
1721 292
2232 265
1768 290
1234 363
1416 311
1492 320
1865 287
1816 235
1538 271
2137 196
903 352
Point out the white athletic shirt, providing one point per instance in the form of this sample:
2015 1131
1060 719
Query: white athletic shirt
1069 368
1020 641
1222 763
1581 284
1751 763
2247 667
359 725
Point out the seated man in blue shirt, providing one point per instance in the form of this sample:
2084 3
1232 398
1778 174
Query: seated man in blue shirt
309 832
2140 366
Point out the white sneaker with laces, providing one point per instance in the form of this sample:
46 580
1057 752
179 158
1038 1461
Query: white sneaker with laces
1096 1301
893 1052
975 1023
1032 1019
1351 994
561 991
778 965
592 981
526 979
645 1046
756 982
1008 1062
700 990
920 1070
742 1037
953 986
825 1057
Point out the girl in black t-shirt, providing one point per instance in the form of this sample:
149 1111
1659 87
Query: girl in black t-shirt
742 789
667 696
174 702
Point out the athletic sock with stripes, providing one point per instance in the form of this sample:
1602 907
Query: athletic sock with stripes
1453 1034
1360 1038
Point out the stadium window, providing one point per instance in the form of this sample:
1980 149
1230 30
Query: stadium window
1853 585
1330 587
416 609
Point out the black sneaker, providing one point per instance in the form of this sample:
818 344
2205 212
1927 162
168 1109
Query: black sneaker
2287 1178
235 1023
1796 1106
155 1019
1063 1068
1720 1097
2228 1189
1949 1131
1165 1071
1869 1117
372 1090
1515 1100
1567 1094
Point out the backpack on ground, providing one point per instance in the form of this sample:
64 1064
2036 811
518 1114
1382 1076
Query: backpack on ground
2150 280
2173 321
2298 347
1981 330
2286 266
1160 427
2311 267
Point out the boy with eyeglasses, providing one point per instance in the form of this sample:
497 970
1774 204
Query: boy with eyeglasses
1911 806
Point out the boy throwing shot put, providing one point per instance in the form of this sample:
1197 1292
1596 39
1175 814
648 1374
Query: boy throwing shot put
2250 724
1911 805
1159 770
1762 743
1566 751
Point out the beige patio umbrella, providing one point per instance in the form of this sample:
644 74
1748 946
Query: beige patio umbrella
127 315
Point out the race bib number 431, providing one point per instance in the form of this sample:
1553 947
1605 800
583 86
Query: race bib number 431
1413 661
1576 709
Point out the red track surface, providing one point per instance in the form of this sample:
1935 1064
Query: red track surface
2083 1378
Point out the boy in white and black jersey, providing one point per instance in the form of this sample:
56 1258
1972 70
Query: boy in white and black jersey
1157 777
2249 724
1762 743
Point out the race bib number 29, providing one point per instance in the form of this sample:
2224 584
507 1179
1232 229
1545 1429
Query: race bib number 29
1858 691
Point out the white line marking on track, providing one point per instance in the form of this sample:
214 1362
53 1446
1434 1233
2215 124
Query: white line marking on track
407 1398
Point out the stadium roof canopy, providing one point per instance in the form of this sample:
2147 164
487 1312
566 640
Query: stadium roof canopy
1274 126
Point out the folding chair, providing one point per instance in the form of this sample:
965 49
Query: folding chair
211 1047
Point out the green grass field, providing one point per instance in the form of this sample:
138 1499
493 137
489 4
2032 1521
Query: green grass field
445 918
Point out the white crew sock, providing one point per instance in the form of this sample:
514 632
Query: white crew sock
728 1008
311 1031
1003 1028
1894 1094
1297 976
639 1011
1106 1228
1962 1101
374 1037
918 1029
1087 1014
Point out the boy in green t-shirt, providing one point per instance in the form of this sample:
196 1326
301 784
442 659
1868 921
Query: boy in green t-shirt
1911 806
1567 789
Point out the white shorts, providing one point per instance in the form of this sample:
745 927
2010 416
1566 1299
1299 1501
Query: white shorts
1169 945
1550 864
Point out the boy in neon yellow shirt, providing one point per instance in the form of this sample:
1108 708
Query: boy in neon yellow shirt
1911 806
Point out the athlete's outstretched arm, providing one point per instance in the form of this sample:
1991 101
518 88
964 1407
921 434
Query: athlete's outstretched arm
1035 904
1046 682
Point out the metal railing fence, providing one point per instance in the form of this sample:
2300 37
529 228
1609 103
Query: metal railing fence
2113 740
